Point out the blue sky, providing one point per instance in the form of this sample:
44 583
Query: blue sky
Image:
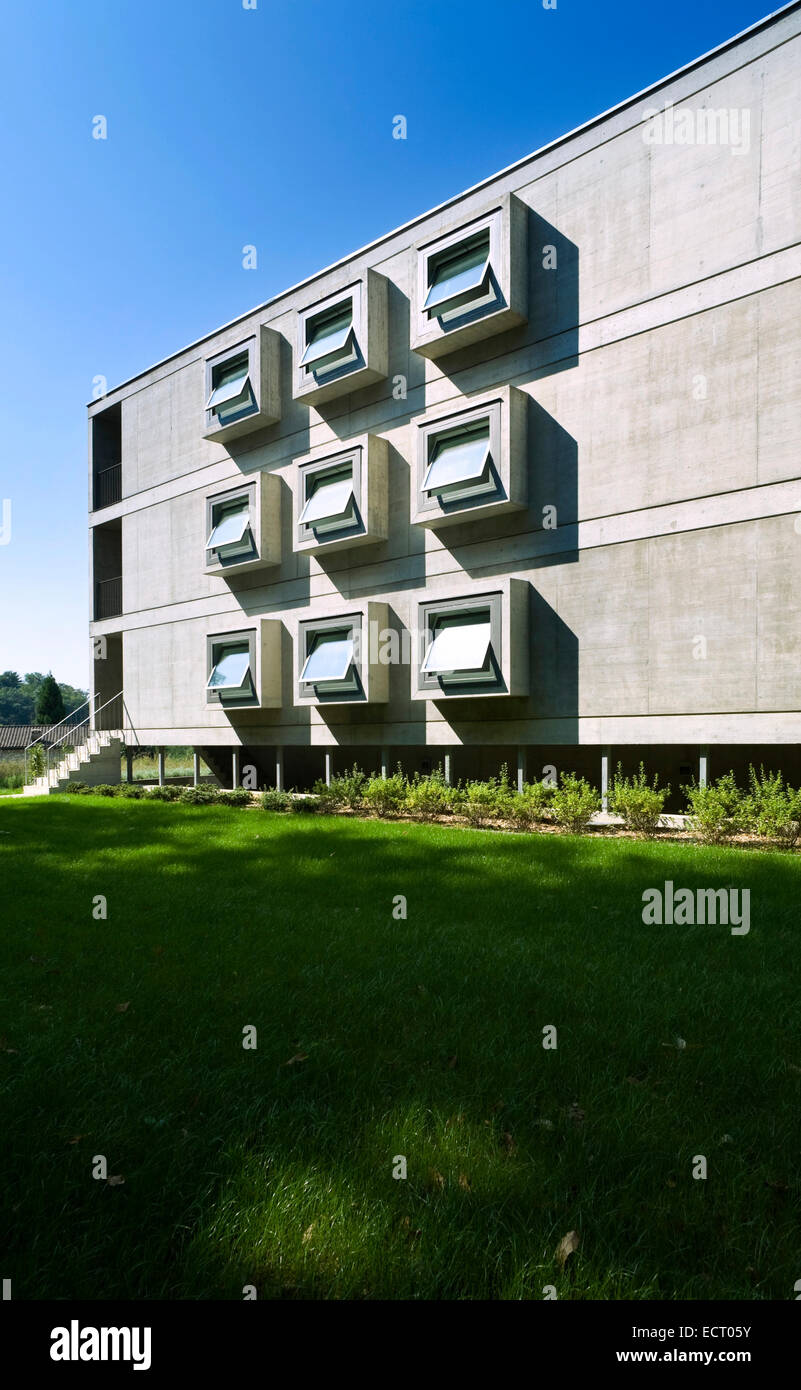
230 127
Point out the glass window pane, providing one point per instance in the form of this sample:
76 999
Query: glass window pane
457 272
230 524
228 382
458 458
328 333
330 658
330 499
460 644
231 667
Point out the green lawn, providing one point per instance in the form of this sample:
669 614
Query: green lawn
380 1037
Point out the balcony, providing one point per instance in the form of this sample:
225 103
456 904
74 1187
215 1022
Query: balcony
108 598
108 486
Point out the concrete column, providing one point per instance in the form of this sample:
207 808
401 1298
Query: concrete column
448 766
279 769
329 767
703 767
161 767
235 761
521 768
606 759
195 768
129 764
385 763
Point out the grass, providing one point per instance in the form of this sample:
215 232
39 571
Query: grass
380 1037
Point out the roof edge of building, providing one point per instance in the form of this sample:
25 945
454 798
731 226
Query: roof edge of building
457 197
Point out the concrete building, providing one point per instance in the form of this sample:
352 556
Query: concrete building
546 436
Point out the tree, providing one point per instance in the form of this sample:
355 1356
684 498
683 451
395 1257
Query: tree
49 703
16 705
9 680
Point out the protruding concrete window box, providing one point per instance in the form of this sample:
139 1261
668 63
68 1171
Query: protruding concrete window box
241 392
471 645
471 280
243 526
338 657
343 341
243 667
340 495
471 460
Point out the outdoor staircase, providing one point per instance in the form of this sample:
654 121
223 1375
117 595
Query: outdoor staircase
95 761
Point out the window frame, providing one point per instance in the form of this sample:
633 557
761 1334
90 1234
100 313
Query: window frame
311 473
507 413
363 619
226 639
367 455
369 326
429 612
505 224
311 628
221 499
263 492
263 366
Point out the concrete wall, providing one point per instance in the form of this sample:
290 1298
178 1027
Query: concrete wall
661 366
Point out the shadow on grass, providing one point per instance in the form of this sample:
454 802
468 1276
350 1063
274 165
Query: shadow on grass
381 1035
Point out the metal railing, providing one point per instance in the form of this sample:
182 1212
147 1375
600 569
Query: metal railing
108 598
76 734
108 486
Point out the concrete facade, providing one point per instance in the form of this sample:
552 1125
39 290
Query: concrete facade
656 530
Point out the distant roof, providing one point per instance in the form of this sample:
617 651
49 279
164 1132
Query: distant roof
20 735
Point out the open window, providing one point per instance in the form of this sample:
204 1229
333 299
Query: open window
231 537
331 344
232 395
460 463
330 667
460 648
472 461
331 505
232 677
243 668
460 278
341 497
473 644
342 340
243 526
338 657
471 280
241 387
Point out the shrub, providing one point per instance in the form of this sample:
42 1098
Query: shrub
718 811
234 796
772 808
77 789
429 795
531 805
273 799
386 796
309 804
198 796
574 802
163 793
37 762
346 790
639 802
131 791
105 789
480 802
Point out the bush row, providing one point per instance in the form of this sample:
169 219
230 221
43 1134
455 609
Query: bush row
768 807
190 796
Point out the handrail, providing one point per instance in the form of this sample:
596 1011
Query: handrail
65 722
